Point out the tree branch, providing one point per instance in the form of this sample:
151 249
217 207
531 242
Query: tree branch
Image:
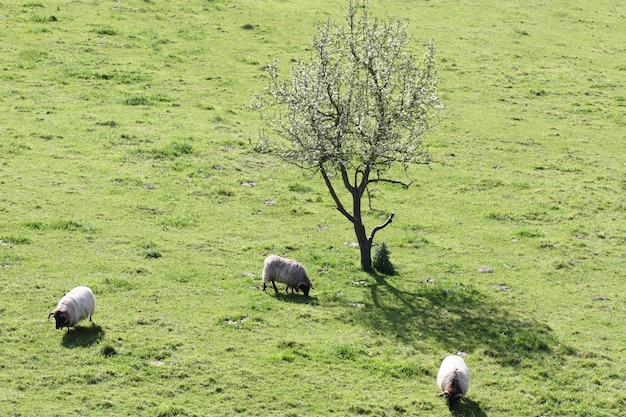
346 180
379 227
333 194
404 184
365 179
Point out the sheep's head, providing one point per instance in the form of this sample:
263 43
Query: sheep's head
60 317
453 398
447 394
305 288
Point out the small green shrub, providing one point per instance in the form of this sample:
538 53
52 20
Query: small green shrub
382 263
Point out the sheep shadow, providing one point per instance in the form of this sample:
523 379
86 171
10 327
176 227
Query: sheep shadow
81 336
295 298
467 408
457 318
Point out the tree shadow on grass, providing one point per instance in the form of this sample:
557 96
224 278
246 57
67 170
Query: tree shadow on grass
81 336
458 318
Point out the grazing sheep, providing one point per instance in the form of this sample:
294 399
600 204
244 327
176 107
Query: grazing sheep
76 305
286 271
453 379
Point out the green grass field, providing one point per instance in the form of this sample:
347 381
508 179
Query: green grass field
126 165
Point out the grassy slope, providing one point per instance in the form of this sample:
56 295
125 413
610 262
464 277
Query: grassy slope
124 133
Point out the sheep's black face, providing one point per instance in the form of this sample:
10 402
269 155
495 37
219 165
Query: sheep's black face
305 289
453 400
61 320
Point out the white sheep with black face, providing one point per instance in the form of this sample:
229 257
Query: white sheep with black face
286 271
76 305
453 379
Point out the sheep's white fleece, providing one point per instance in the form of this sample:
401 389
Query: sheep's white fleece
285 271
453 376
78 304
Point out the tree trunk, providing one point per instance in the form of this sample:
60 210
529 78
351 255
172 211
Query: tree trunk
365 242
365 246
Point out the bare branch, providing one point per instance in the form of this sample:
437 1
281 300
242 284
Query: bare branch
379 227
369 198
346 180
333 194
403 184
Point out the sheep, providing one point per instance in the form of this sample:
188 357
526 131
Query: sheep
288 272
76 305
453 379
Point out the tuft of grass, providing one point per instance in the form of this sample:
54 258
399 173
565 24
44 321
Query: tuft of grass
530 233
300 188
173 149
137 100
60 225
349 351
105 31
108 351
179 220
43 19
149 250
15 240
152 254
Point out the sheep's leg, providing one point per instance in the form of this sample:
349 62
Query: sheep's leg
264 287
274 284
90 319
